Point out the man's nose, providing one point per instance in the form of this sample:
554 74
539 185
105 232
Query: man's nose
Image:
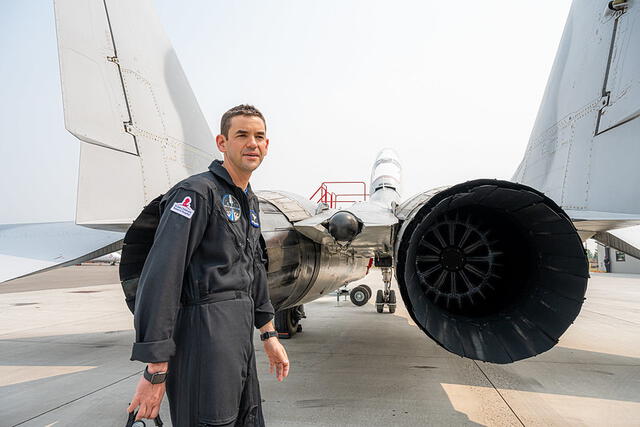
252 142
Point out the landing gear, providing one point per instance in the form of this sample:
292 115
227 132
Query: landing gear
287 321
379 301
386 296
360 295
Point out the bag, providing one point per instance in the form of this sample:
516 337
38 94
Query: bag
135 249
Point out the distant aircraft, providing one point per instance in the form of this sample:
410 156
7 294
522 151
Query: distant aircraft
112 258
491 270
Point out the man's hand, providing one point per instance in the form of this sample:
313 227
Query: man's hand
277 358
149 396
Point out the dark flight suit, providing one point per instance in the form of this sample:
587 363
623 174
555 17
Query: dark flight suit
202 291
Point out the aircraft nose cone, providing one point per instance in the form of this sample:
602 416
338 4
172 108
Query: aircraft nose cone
388 153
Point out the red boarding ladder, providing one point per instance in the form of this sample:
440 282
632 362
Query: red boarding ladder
332 198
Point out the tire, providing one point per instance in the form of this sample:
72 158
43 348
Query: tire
392 297
359 296
285 323
379 301
392 301
368 290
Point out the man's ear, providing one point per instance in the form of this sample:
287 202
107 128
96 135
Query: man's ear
221 142
266 147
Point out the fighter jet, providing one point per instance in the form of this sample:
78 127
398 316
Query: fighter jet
491 270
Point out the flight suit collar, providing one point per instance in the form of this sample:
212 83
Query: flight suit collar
217 169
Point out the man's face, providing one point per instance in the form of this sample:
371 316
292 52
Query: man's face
246 145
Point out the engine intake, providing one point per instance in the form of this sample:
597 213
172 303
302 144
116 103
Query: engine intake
491 270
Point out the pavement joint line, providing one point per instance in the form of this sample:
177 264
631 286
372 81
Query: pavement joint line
55 324
38 341
499 394
584 363
611 317
78 398
372 355
14 290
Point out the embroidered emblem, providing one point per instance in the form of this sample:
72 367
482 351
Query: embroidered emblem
253 218
231 207
183 208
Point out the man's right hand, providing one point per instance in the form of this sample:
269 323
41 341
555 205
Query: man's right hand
149 396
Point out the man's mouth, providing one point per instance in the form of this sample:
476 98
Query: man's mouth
252 155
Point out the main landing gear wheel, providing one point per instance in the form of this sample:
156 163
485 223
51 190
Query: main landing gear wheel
368 289
360 295
386 296
287 321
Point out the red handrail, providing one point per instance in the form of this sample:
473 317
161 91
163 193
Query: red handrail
331 198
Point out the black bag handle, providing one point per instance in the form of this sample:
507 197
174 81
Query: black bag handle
131 421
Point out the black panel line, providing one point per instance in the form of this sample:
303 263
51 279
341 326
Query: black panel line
124 92
606 74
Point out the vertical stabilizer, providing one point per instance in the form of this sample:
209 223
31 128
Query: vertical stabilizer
127 99
585 144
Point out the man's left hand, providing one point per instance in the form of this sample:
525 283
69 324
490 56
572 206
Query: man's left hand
278 358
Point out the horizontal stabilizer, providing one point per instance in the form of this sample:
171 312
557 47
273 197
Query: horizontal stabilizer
32 248
617 243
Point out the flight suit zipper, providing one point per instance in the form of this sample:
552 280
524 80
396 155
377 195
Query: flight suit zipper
248 247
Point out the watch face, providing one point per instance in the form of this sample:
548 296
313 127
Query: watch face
158 378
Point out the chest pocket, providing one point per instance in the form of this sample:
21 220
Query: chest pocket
233 229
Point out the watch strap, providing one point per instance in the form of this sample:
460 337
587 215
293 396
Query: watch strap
269 334
157 378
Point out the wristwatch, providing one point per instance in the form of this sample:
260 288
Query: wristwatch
268 334
157 378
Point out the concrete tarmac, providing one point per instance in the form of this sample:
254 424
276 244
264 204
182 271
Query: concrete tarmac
65 342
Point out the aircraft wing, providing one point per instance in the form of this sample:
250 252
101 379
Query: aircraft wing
31 248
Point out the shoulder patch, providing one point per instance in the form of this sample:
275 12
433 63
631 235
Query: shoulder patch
183 208
253 218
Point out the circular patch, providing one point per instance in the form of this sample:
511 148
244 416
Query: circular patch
231 207
253 218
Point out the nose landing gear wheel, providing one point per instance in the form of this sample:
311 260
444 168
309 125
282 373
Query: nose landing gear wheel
392 301
386 296
379 301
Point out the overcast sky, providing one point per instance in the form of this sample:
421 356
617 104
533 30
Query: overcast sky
454 87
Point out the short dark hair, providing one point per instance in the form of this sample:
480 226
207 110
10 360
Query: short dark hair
239 110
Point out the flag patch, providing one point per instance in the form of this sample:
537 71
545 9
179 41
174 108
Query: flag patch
183 208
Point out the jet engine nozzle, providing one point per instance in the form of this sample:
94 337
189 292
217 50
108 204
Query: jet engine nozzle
491 270
344 226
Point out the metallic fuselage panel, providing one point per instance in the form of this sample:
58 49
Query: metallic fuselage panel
300 270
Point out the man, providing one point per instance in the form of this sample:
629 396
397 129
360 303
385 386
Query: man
203 288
